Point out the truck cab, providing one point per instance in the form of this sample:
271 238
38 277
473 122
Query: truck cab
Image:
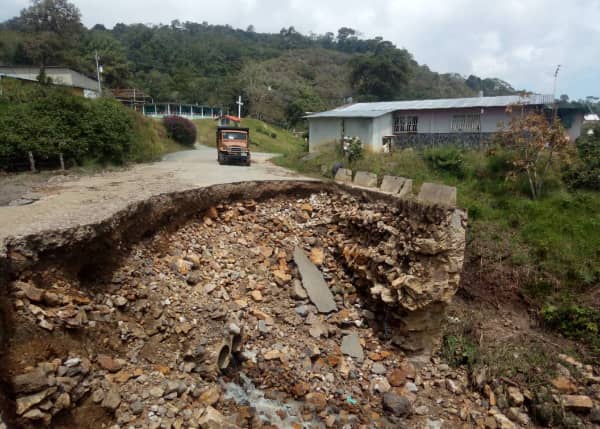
233 145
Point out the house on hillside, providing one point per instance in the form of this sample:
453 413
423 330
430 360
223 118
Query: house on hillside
229 121
76 82
416 123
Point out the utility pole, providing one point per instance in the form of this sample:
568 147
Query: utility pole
554 90
98 71
240 104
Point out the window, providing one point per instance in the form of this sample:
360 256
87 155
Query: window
234 136
466 122
405 124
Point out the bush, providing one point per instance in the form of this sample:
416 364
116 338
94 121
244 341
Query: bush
354 149
47 121
573 321
448 159
180 129
586 172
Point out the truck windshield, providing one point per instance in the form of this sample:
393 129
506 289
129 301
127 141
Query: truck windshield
234 136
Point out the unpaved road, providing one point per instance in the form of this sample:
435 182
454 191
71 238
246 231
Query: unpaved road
69 201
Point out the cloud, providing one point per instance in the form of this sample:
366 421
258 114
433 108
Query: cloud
520 41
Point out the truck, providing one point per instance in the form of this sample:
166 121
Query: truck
233 145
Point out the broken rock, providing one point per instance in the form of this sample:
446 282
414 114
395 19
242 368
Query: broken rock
396 404
313 283
351 347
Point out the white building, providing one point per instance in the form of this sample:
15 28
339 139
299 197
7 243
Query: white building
77 83
465 121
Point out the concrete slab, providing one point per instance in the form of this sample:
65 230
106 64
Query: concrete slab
343 175
406 188
396 185
365 179
433 193
351 347
313 282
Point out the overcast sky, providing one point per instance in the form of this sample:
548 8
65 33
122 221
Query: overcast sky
520 41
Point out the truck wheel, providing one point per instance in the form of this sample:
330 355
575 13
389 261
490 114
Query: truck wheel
248 162
220 158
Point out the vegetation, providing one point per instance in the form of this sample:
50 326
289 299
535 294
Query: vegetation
534 143
280 75
585 172
48 121
180 129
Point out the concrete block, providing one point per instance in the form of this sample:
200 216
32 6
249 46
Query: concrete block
365 179
406 188
396 185
343 175
438 194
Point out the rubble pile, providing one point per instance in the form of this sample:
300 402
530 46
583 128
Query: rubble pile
225 323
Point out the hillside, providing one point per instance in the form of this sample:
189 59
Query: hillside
280 75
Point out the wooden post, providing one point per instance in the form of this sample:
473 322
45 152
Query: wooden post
31 162
62 161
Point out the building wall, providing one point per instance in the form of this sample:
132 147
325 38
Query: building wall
440 121
323 130
382 126
359 127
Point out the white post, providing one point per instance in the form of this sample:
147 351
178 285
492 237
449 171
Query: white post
240 104
98 74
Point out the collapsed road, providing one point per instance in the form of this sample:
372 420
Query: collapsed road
206 308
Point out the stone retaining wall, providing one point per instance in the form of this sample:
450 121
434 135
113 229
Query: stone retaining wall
425 140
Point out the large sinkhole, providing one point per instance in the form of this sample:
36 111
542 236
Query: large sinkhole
205 317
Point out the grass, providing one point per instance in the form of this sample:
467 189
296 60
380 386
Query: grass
263 137
152 142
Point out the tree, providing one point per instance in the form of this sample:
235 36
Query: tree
116 68
380 76
535 143
53 27
55 16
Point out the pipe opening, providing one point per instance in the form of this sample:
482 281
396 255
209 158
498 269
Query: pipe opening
224 359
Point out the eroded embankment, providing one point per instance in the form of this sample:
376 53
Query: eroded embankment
135 319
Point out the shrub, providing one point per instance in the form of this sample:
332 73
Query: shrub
573 321
180 129
108 131
448 159
354 149
586 172
48 120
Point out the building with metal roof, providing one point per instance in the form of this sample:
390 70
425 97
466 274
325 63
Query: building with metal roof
62 76
381 125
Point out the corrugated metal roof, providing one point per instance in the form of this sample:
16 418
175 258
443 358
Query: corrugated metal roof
59 75
373 110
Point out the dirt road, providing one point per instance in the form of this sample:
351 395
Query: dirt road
68 201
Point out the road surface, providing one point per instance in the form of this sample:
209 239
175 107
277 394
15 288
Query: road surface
67 201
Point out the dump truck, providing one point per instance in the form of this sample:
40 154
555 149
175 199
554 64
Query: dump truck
233 145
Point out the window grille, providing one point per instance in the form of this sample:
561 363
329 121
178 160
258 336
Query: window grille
466 123
405 124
